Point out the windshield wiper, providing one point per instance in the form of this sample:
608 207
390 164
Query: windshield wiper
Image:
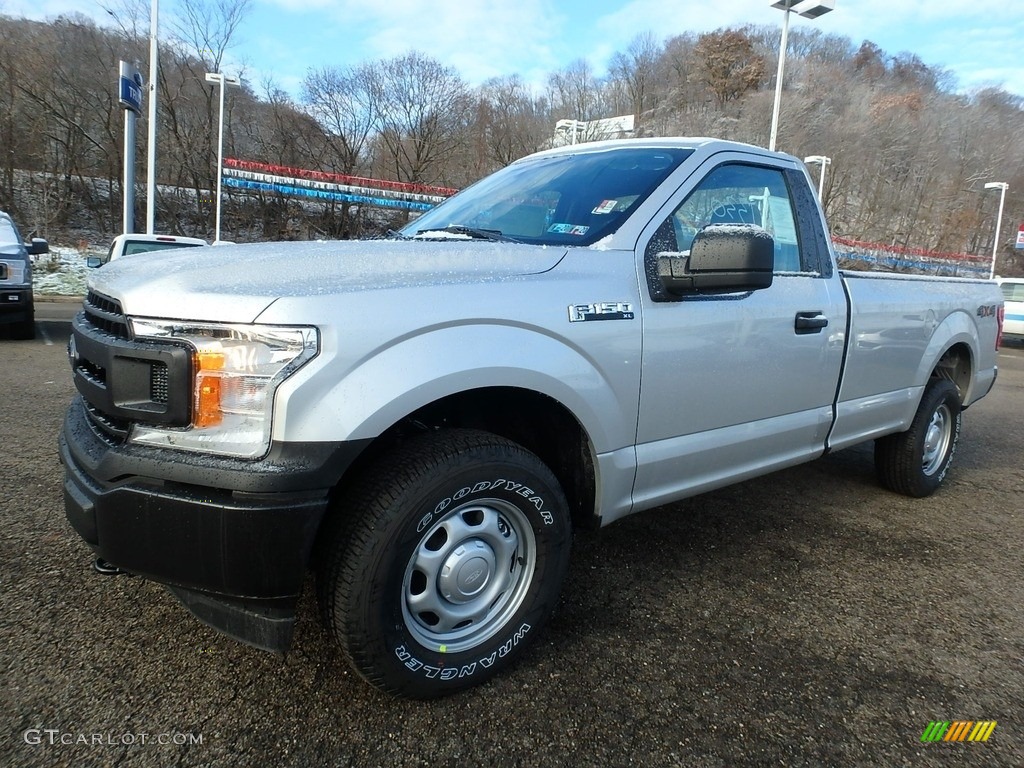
494 235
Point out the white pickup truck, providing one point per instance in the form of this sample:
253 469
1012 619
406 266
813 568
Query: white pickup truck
593 331
134 243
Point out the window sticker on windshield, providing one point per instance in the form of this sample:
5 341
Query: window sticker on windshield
569 229
606 206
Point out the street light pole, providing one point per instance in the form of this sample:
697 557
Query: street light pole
154 12
821 179
222 80
1002 186
809 9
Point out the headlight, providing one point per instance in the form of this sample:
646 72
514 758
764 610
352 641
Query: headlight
236 371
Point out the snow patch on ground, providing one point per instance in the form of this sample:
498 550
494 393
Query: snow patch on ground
61 272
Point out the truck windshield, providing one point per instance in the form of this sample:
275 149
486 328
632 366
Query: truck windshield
572 199
10 242
132 247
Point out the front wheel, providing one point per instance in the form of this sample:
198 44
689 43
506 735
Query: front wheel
444 562
915 462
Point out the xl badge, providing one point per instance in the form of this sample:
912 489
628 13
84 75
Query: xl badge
600 310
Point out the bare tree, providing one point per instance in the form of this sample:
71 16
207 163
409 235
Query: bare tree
342 103
208 28
512 121
576 92
341 100
189 107
637 70
423 114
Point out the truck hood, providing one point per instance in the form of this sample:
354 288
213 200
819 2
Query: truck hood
236 283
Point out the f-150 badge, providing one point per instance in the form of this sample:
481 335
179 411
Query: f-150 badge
600 310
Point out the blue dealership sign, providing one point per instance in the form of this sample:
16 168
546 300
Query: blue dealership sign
130 88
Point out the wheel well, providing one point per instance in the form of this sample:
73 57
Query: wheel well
535 421
955 365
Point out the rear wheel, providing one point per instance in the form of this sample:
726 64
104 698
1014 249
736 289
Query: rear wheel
26 329
444 562
915 462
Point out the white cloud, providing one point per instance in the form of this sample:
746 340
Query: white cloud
532 38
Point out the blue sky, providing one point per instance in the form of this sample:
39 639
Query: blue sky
980 41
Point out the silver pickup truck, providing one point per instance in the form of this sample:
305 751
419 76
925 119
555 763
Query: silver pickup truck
422 421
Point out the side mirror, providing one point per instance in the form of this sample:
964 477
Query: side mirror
37 246
723 257
93 261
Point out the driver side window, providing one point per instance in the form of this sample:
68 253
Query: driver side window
738 194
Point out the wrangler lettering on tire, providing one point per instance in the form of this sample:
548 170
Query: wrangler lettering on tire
444 561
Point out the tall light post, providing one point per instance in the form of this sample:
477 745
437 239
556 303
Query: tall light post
222 79
809 9
821 179
154 74
1002 186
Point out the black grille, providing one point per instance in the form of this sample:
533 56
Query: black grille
127 381
105 315
111 429
158 382
91 372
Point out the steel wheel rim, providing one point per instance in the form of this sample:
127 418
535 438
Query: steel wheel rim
937 438
468 575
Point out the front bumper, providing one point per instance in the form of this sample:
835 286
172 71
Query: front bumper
15 305
232 539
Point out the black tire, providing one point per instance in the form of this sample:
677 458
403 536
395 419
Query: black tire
24 330
443 562
915 462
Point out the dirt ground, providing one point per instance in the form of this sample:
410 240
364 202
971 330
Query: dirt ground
808 618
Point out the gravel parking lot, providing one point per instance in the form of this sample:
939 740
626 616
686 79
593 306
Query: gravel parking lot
808 618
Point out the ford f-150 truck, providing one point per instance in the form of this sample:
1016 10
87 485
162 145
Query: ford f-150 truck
421 421
17 308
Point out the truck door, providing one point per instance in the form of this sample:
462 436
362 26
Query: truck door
734 385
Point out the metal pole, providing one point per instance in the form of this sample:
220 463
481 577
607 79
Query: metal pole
220 157
999 221
151 142
821 180
128 184
778 82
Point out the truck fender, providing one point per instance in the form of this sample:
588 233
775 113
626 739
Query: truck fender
958 328
351 400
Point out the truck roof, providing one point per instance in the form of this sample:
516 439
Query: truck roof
137 242
675 142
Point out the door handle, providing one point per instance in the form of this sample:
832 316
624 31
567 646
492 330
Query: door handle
810 322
